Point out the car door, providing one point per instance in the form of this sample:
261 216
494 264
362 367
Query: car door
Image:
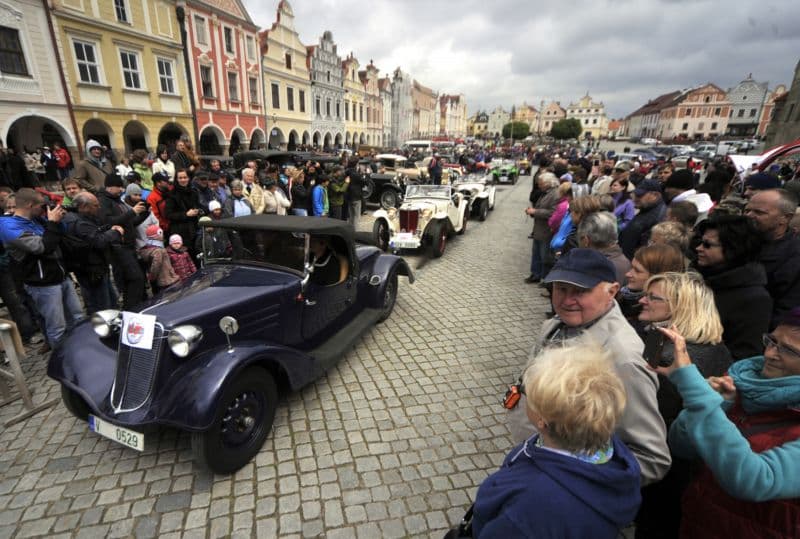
328 308
453 214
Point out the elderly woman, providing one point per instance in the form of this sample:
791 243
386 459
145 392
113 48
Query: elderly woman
573 478
237 204
727 258
541 259
745 427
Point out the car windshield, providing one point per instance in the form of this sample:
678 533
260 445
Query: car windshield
285 249
428 191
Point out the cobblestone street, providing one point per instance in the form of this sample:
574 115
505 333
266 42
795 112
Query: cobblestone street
392 442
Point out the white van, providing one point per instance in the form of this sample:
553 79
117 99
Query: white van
422 146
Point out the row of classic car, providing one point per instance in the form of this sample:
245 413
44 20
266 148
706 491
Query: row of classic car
209 355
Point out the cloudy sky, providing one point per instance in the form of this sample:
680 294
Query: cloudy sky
504 52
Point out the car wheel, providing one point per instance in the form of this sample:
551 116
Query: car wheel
389 199
367 189
380 231
483 210
438 239
242 423
513 179
389 296
75 404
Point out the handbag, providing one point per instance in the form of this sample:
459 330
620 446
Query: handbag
464 529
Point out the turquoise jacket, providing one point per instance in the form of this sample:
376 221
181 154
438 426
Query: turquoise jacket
703 430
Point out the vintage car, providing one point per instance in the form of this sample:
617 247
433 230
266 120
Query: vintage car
524 166
479 192
389 162
503 170
430 214
385 188
209 355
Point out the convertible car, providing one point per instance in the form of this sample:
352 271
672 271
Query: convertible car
479 192
209 355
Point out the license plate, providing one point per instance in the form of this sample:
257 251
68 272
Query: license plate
126 437
503 178
405 244
404 236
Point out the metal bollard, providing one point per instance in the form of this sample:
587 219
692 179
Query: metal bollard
12 345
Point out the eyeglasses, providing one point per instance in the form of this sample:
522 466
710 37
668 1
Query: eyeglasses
786 352
653 298
708 245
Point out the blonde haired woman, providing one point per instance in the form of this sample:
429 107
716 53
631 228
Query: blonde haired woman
573 478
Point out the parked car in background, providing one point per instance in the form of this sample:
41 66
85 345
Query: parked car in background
479 193
648 140
504 171
209 355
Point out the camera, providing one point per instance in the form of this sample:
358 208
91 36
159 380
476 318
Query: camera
654 349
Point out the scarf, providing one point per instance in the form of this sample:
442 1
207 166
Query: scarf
759 394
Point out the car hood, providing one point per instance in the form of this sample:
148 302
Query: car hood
479 186
416 205
218 288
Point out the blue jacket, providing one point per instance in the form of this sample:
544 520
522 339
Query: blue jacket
543 494
564 230
703 430
33 248
318 196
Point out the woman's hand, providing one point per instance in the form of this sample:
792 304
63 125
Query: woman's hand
680 355
192 213
724 386
530 211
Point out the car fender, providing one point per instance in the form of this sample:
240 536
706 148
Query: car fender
194 393
382 268
383 214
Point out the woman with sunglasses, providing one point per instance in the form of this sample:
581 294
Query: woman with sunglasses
745 427
726 257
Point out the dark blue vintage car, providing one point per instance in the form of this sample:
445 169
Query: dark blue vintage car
209 355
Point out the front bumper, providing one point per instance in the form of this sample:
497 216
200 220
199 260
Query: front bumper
400 241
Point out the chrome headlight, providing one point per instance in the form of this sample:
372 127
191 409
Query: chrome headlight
184 339
391 213
106 322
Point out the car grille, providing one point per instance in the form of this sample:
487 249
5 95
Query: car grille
136 371
409 220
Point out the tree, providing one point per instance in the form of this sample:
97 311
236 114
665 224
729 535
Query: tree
566 129
521 130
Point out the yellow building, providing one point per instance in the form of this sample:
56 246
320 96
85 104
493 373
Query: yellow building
355 97
592 116
126 78
287 82
527 114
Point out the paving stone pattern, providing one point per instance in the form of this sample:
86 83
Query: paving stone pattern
392 442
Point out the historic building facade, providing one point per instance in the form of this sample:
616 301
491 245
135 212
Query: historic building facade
497 119
549 115
767 111
354 102
785 124
385 91
453 121
592 116
287 82
373 105
644 121
327 93
527 114
425 119
225 70
33 104
402 108
695 114
124 68
747 100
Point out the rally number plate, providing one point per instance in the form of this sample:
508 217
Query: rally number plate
126 437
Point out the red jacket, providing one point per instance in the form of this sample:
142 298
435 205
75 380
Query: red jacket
158 205
181 262
710 513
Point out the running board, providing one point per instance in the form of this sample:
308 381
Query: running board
326 355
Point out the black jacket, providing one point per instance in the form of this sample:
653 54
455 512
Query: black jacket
301 196
356 187
114 211
180 201
99 238
781 261
744 307
637 233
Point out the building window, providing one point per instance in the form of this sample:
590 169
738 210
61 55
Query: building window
329 76
233 86
688 112
700 126
714 126
250 44
228 33
354 112
252 85
717 111
317 106
360 112
12 59
594 121
301 97
121 11
685 127
744 98
328 108
740 113
347 111
276 96
200 30
207 81
290 98
586 121
130 69
88 69
752 113
707 100
338 110
166 75
288 60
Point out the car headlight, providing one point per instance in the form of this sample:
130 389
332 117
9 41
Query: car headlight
184 339
106 322
426 213
391 213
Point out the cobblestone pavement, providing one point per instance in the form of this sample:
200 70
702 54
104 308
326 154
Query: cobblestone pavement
392 442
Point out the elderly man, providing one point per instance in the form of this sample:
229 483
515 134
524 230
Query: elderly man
598 231
648 199
584 287
771 211
252 191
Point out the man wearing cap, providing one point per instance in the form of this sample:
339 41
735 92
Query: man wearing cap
621 171
760 181
92 171
584 287
648 199
680 186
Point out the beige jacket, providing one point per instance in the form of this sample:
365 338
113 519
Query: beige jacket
255 196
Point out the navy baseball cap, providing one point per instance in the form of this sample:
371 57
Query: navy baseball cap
760 181
647 186
585 268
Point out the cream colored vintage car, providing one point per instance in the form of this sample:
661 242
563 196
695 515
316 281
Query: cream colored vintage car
430 214
399 164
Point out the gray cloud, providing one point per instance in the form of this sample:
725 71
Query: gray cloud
503 52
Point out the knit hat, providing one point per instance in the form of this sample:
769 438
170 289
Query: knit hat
680 179
154 232
760 181
133 189
214 205
113 180
176 238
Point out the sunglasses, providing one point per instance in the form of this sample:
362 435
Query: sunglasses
784 351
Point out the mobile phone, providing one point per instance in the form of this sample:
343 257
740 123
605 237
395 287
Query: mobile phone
654 347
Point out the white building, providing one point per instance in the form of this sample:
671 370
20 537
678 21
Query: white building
402 108
385 89
327 92
747 99
453 121
592 116
497 119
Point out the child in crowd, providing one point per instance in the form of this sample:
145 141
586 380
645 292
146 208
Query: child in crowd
180 258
